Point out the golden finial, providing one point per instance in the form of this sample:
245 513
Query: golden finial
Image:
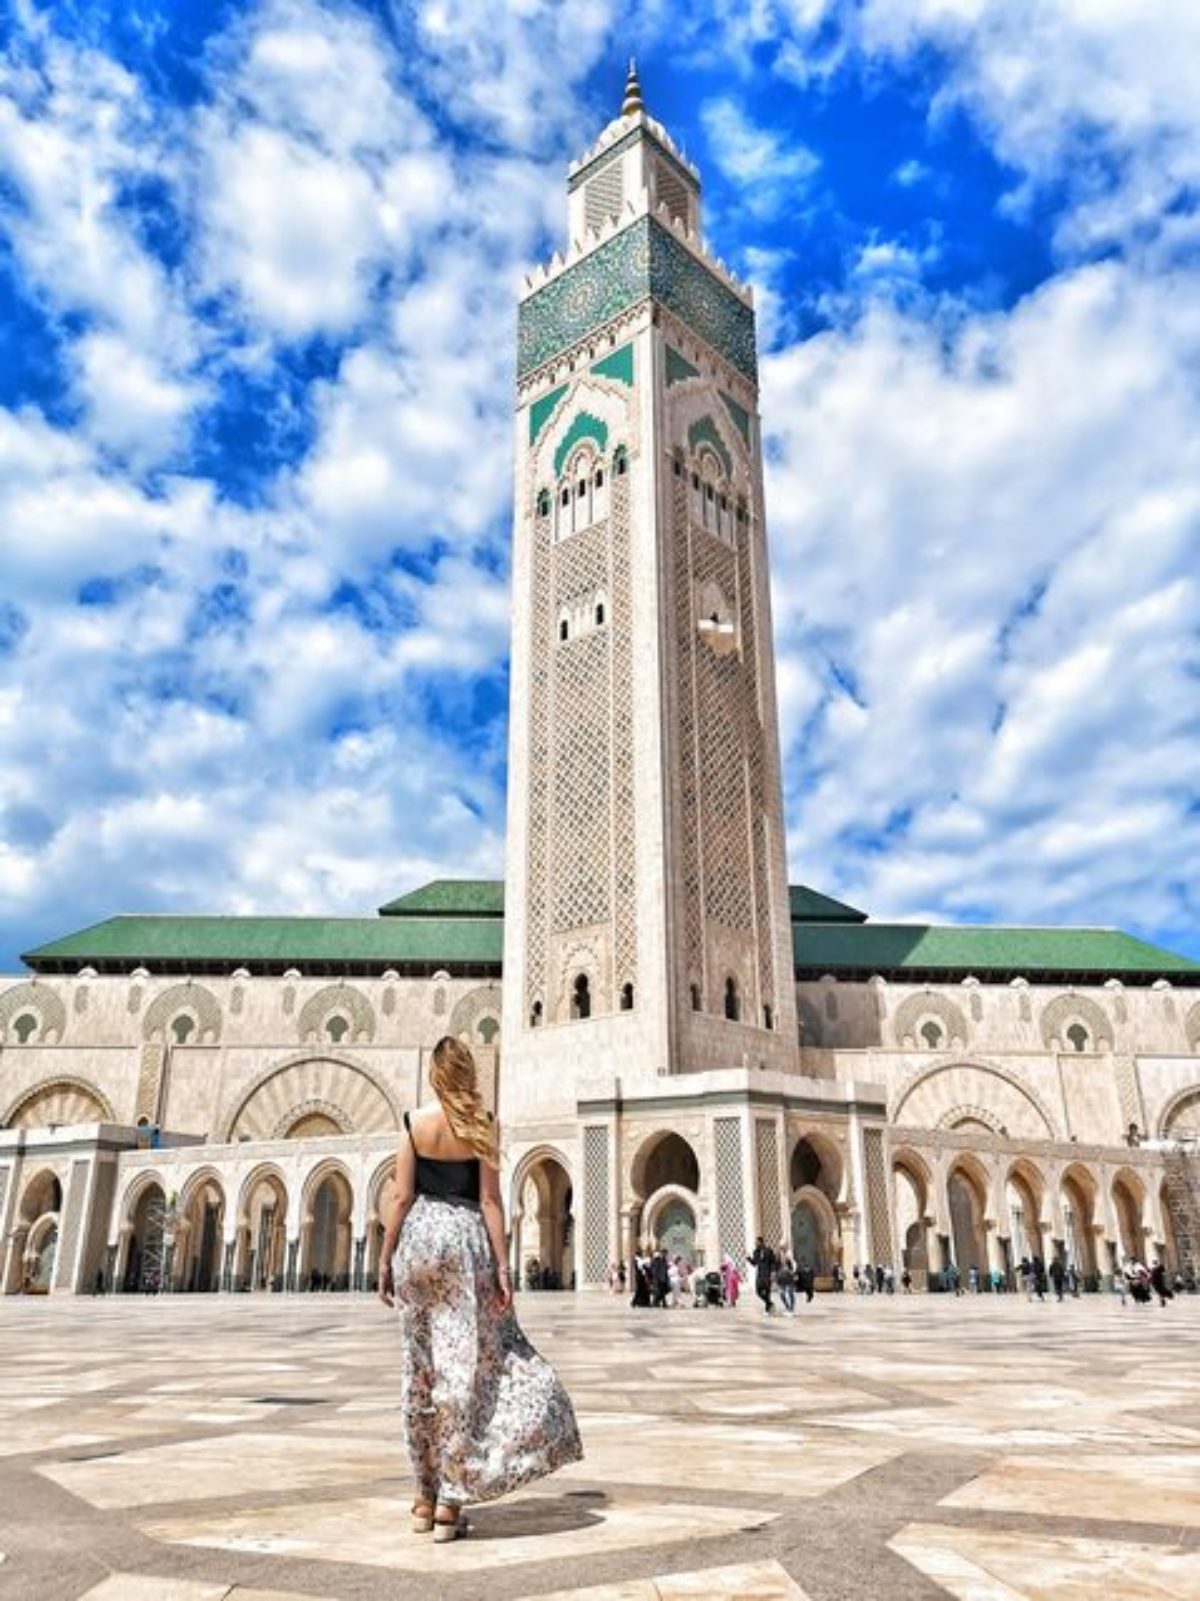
632 102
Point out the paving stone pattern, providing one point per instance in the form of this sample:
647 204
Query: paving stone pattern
196 1448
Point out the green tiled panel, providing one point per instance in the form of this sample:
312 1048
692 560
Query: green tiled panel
704 431
583 426
679 368
539 412
741 417
641 261
618 366
450 897
887 947
375 941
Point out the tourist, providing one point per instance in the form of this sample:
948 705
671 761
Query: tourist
1158 1282
906 1282
660 1278
785 1279
764 1262
880 1278
502 1417
1039 1278
641 1280
973 1279
857 1280
1057 1277
622 1277
953 1278
839 1278
731 1280
806 1278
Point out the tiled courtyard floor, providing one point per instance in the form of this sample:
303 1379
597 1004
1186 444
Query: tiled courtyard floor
191 1449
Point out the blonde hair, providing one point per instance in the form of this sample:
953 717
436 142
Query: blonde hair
452 1075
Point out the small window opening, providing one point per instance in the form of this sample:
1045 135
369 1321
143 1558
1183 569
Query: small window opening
627 997
733 1005
1078 1037
768 1017
543 503
535 1015
695 480
695 997
931 1033
620 462
564 629
600 615
488 1029
581 998
598 480
566 496
182 1028
708 491
337 1028
25 1028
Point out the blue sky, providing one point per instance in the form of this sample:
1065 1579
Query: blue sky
257 320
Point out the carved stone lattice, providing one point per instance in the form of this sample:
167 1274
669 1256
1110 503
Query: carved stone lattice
624 821
337 1000
766 1161
68 1240
1067 1009
1129 1093
597 1203
474 1008
915 1009
1191 1027
149 1085
62 1100
43 1003
188 1000
730 1186
878 1214
538 817
811 1027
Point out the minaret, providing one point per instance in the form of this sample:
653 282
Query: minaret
647 926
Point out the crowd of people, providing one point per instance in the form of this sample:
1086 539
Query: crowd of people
659 1279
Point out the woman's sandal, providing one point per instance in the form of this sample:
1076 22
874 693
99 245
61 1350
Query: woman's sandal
422 1517
448 1524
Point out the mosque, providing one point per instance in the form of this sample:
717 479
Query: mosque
681 1045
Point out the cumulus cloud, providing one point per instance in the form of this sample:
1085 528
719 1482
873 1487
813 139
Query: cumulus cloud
770 168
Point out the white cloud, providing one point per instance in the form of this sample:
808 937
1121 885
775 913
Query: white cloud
990 529
772 169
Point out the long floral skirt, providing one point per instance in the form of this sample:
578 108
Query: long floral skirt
484 1412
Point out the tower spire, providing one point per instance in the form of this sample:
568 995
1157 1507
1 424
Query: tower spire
632 102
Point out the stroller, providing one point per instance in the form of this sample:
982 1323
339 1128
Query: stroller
714 1289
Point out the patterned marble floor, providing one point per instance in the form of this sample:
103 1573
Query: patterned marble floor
192 1449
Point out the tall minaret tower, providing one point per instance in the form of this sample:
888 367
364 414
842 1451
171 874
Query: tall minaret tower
647 924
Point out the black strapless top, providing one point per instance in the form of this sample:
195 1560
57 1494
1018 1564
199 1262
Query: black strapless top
443 1180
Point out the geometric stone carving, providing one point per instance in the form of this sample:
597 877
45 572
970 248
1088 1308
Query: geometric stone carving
916 1011
24 1000
345 1094
62 1100
476 1007
933 1096
731 1203
766 1159
339 1013
187 1000
810 1022
149 1083
72 1223
596 1189
878 1211
1191 1027
1067 1010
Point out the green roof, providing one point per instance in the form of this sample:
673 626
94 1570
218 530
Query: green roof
810 906
919 947
279 943
450 897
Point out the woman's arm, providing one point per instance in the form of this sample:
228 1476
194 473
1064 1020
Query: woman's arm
405 1182
493 1216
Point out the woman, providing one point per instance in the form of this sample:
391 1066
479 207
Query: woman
483 1411
731 1280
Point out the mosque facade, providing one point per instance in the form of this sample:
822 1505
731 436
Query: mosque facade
681 1046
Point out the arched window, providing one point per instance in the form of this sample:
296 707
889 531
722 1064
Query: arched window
564 629
599 614
488 1029
733 1002
581 488
25 1027
543 503
565 497
620 461
627 997
695 997
535 1015
768 1017
678 462
598 478
182 1027
1079 1038
581 997
931 1033
336 1028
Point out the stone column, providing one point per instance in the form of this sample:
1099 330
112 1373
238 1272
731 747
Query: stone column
290 1273
357 1278
230 1246
995 1252
121 1263
14 1263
